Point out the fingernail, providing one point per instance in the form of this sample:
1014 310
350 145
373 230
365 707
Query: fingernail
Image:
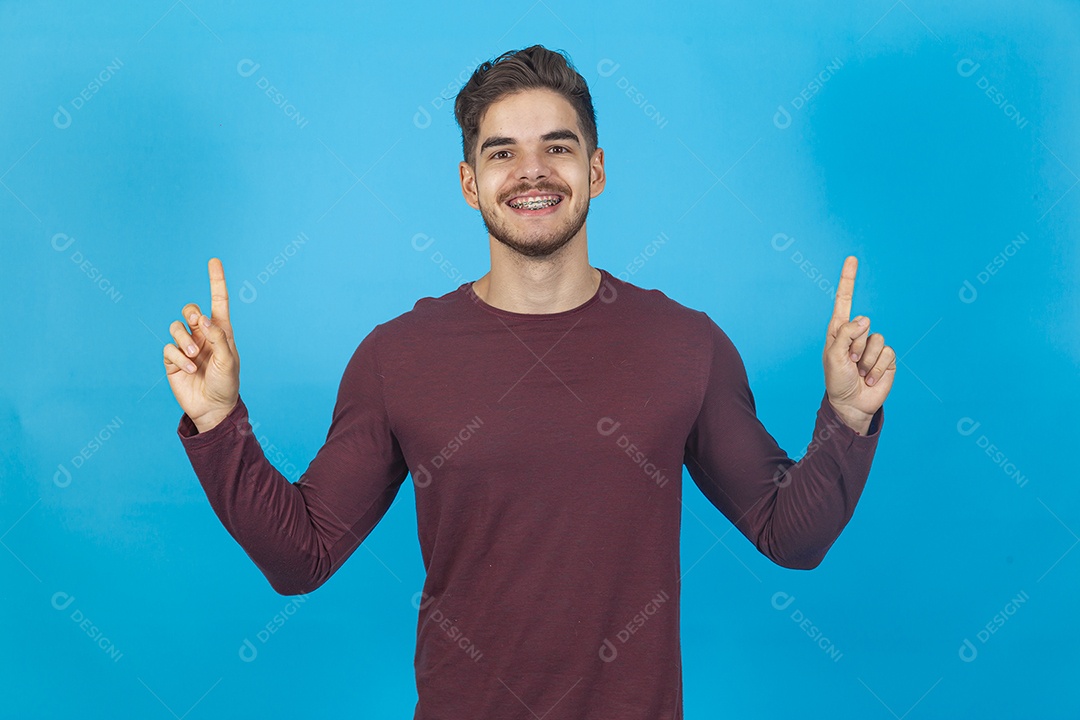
870 380
854 357
862 321
194 318
190 368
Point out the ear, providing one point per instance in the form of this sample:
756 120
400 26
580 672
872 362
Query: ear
597 178
468 185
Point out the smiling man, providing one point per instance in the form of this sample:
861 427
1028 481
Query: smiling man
545 413
532 176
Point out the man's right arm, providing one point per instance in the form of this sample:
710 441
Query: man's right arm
299 534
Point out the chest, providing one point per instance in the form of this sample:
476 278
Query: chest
543 412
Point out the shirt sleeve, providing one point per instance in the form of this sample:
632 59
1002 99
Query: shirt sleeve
299 534
792 511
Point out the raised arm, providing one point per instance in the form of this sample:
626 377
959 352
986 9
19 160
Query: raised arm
792 511
298 534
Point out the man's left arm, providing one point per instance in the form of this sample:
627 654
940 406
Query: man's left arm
793 511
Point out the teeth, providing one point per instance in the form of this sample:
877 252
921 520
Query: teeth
536 203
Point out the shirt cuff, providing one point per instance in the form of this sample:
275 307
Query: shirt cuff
872 432
235 421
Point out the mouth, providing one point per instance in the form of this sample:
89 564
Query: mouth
534 204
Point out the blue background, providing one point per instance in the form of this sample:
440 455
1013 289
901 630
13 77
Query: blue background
891 150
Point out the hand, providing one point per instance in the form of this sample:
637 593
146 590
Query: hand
859 368
205 378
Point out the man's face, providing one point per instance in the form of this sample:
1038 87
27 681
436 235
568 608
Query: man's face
530 143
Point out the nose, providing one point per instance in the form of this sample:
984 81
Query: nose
533 165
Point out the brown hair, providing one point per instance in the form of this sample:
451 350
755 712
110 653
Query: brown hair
514 71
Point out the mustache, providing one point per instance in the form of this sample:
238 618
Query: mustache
539 188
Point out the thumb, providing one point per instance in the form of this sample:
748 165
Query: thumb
845 336
219 341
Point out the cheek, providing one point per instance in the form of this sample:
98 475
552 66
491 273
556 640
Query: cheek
581 180
489 190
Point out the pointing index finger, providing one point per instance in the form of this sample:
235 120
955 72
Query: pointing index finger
844 290
219 295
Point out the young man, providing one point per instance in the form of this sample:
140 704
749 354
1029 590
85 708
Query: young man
544 413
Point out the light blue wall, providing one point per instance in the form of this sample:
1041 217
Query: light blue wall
137 143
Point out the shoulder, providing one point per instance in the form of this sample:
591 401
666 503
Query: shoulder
687 330
658 308
429 316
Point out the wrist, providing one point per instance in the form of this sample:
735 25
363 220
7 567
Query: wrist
211 419
855 419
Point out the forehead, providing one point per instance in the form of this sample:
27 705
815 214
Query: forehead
527 114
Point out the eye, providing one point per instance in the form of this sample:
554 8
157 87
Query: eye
563 148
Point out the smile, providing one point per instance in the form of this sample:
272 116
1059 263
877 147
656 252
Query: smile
536 202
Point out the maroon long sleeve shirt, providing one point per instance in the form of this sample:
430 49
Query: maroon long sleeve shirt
546 453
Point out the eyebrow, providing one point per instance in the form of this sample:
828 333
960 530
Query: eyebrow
560 134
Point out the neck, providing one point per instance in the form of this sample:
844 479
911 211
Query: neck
538 286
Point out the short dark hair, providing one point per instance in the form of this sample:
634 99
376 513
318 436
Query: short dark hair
514 71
